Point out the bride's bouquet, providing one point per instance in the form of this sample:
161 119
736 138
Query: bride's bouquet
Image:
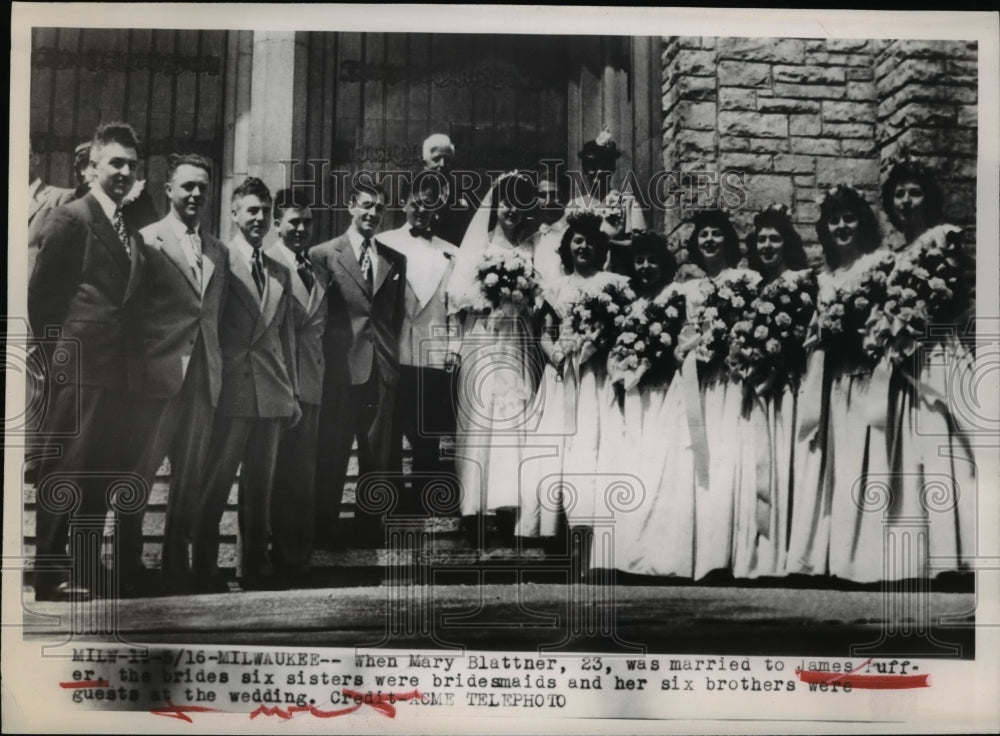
723 306
648 334
595 314
768 346
922 289
845 314
506 282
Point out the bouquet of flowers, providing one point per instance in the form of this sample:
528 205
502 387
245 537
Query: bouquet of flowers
644 349
844 315
922 288
724 305
595 315
768 346
507 282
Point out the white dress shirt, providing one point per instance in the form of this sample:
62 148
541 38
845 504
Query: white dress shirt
246 251
357 239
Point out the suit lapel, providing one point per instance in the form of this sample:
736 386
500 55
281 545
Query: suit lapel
350 264
275 290
175 254
100 225
135 266
245 285
36 201
207 267
384 266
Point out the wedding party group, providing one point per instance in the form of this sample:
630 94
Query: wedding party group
764 420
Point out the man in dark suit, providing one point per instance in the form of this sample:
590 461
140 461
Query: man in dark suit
88 269
295 479
177 316
259 393
365 308
44 198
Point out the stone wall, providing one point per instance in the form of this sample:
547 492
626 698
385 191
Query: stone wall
796 116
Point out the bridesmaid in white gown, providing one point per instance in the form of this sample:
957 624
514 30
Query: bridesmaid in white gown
836 525
765 477
646 530
690 529
932 457
572 425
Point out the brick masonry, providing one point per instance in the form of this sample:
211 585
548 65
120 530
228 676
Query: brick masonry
796 116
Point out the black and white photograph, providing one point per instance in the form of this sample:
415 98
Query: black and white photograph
447 368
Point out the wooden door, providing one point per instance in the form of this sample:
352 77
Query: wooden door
168 84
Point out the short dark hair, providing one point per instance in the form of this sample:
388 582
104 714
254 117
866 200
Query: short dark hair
121 133
366 182
252 186
650 242
838 199
587 224
910 170
291 199
426 181
176 160
730 243
793 251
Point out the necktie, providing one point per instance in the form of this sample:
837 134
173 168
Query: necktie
118 221
305 270
194 242
258 272
366 261
418 232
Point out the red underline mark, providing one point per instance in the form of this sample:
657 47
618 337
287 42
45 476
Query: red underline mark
83 684
180 712
863 682
379 702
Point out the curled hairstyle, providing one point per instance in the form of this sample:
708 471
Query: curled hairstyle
252 186
587 224
519 191
730 243
909 170
121 133
651 243
176 160
792 250
847 198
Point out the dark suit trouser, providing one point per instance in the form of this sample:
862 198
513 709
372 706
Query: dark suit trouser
292 498
179 428
424 412
74 488
364 411
254 443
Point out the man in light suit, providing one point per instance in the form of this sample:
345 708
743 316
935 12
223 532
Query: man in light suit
177 321
427 341
44 199
365 306
259 393
295 478
87 272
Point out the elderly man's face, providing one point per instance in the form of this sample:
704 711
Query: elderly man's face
440 158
